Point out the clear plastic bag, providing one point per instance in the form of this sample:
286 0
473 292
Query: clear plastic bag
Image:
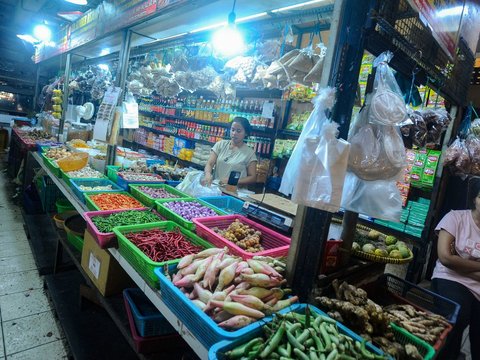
387 104
315 73
192 186
453 152
323 168
473 145
377 151
463 161
311 133
380 199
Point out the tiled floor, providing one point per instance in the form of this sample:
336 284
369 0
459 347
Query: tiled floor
29 330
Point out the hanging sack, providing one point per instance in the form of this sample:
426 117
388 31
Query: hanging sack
315 74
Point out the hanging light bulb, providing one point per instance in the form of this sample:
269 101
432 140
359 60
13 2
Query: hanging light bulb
228 40
42 32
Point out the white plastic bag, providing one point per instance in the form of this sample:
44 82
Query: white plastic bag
387 104
379 199
192 185
309 139
323 168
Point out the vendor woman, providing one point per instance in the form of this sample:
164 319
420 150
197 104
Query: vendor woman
232 155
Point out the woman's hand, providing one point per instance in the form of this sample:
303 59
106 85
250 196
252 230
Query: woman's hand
207 180
223 182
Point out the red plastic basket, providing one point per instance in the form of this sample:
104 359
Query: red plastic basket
106 240
152 344
275 244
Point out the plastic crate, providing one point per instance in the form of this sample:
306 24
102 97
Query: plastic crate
53 167
172 215
403 337
125 183
75 227
49 193
112 172
75 240
141 262
63 205
150 201
106 240
197 322
217 351
93 207
228 204
172 183
76 183
151 344
148 320
275 244
390 289
67 178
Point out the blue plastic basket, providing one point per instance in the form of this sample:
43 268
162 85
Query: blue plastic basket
229 204
124 183
197 322
172 183
76 183
218 350
148 320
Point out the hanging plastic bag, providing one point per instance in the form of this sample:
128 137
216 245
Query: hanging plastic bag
192 185
473 145
129 112
315 75
311 132
377 151
453 152
463 161
380 199
323 168
387 104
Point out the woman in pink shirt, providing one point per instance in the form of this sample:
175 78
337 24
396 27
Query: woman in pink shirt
457 273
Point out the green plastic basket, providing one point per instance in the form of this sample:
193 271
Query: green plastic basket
93 207
172 215
51 166
63 205
403 337
75 240
150 201
112 172
141 262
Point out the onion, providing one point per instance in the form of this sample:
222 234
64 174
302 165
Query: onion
190 209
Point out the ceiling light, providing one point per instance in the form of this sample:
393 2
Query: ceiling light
105 51
296 6
42 32
104 67
28 38
228 40
78 2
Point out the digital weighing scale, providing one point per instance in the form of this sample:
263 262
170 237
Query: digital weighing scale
269 218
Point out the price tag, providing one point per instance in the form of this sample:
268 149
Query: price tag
246 204
267 111
94 265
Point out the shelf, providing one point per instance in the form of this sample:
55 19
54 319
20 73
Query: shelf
161 153
153 294
290 133
204 122
200 141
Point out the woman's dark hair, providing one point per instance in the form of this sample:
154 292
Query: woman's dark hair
473 191
245 124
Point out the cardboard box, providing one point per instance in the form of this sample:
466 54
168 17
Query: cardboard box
102 268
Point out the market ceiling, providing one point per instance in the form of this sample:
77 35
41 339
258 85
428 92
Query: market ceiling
19 17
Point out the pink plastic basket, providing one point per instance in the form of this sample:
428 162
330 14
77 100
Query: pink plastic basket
106 240
275 244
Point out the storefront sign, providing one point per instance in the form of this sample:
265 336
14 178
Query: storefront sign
128 12
83 30
444 18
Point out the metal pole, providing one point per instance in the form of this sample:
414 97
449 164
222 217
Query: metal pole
310 232
120 80
66 81
35 94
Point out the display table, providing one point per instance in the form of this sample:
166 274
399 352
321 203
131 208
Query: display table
153 294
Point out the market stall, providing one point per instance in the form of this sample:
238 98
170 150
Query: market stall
216 261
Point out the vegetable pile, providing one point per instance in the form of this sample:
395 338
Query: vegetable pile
427 327
243 236
190 209
87 173
57 153
105 224
131 176
161 245
157 193
95 188
113 201
233 292
306 337
353 308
